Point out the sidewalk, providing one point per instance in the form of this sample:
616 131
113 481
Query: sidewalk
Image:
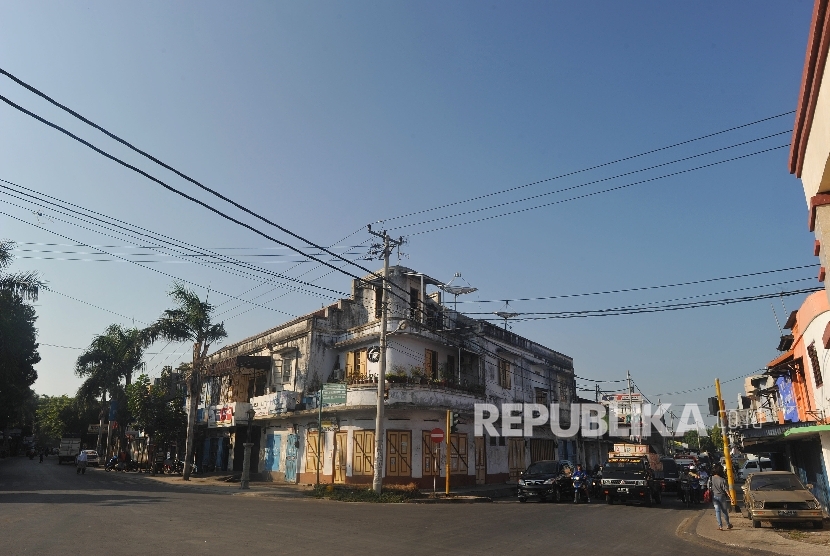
214 484
744 537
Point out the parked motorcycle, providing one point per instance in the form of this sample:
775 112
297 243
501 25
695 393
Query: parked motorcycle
112 464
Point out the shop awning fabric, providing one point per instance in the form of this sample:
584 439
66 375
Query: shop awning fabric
801 431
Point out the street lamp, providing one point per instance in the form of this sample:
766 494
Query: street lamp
246 462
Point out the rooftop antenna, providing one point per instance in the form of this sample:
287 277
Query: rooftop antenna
506 313
457 290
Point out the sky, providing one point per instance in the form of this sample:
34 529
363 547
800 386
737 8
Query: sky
327 116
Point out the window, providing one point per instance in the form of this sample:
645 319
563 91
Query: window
451 370
504 374
541 396
430 364
811 350
356 366
287 367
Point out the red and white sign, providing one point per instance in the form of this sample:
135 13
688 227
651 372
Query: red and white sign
436 435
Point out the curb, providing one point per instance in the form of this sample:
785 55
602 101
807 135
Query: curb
687 531
451 500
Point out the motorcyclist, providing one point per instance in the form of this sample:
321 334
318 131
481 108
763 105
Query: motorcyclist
695 478
704 480
580 480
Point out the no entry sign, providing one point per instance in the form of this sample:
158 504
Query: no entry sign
436 435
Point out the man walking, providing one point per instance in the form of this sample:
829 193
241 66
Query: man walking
720 494
81 469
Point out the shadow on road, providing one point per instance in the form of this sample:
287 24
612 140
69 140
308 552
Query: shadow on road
76 498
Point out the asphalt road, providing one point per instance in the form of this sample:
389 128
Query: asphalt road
48 509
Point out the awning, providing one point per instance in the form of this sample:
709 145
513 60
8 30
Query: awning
781 359
260 362
801 431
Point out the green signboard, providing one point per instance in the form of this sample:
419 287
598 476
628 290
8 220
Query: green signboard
334 394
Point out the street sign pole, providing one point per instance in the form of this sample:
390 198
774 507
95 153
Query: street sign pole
726 452
447 462
319 433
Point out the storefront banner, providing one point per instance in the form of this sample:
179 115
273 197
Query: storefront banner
275 403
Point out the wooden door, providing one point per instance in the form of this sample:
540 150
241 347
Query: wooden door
459 455
312 460
481 460
339 456
542 449
515 457
398 454
363 455
291 459
430 456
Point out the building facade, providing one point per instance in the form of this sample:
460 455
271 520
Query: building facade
437 360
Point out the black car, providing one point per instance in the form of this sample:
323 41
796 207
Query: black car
629 479
546 480
671 474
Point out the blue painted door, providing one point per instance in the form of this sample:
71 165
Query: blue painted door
272 452
291 459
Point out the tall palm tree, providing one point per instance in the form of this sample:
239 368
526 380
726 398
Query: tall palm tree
112 357
189 321
26 285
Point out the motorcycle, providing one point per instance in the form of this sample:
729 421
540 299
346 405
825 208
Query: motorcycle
686 490
581 488
112 464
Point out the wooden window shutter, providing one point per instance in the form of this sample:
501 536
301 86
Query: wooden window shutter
363 365
349 364
429 359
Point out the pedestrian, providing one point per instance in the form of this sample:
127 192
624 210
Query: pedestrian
41 456
720 493
81 462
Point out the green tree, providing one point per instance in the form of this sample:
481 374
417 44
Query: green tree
157 409
107 366
54 416
189 321
18 338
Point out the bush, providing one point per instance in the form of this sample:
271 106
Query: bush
390 494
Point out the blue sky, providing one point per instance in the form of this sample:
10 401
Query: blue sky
326 116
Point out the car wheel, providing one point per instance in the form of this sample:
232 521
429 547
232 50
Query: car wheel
818 524
756 523
522 499
608 499
543 499
659 498
557 495
650 499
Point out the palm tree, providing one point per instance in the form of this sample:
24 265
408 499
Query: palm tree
112 357
189 321
26 285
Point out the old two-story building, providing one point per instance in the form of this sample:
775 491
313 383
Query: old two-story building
787 413
437 360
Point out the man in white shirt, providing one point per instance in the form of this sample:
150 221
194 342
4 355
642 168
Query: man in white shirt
81 460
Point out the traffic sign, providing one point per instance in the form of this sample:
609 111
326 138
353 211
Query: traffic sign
436 435
334 394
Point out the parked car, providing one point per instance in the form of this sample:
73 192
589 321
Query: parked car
756 465
670 474
92 458
778 496
546 480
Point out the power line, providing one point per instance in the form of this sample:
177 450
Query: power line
586 195
593 182
672 307
643 288
415 213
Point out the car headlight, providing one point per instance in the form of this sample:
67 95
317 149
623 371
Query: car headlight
641 483
813 504
606 481
521 482
758 504
550 481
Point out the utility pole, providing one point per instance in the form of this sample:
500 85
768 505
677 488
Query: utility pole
385 251
630 406
726 451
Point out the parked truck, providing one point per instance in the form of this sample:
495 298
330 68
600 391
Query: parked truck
69 448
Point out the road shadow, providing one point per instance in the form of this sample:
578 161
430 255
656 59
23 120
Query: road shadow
76 498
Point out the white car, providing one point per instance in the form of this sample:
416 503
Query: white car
92 458
754 466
